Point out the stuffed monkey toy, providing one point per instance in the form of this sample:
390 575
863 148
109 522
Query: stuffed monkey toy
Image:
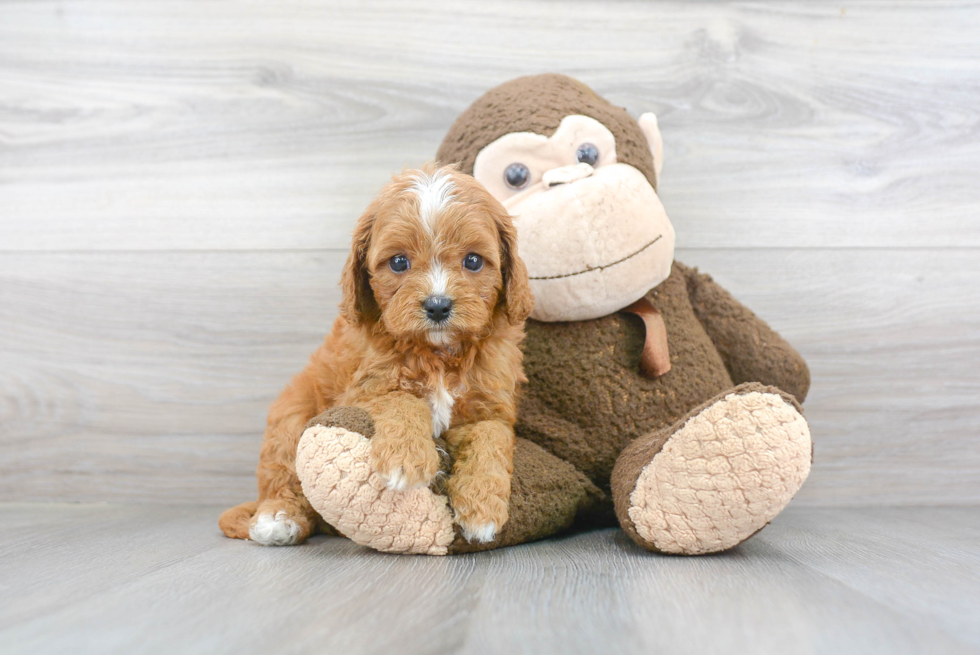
654 400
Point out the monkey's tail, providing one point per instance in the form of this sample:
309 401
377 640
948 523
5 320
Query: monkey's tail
234 522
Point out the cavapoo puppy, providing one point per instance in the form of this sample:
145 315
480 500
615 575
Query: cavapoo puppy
427 342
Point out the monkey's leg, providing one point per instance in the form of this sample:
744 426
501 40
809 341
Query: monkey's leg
717 476
547 494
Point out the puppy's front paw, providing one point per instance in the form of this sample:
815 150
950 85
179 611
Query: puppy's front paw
480 533
404 463
480 506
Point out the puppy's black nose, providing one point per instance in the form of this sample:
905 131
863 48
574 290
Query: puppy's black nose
437 308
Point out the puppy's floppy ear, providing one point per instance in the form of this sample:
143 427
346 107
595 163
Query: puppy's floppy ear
358 304
517 299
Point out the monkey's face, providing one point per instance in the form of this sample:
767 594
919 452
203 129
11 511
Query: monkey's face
592 231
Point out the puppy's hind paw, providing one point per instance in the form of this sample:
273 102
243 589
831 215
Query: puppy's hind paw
277 530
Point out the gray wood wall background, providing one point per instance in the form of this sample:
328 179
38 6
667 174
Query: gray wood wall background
178 179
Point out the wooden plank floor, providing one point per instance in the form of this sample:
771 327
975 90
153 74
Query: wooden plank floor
157 579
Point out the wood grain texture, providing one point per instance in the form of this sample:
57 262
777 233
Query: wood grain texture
146 376
186 125
178 180
116 579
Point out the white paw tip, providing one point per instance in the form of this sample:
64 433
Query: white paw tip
277 530
482 533
397 480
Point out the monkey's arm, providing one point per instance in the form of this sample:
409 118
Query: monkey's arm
752 351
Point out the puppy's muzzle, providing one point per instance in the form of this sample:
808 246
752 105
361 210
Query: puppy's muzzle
438 308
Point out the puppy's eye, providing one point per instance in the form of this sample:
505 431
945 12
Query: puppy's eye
517 176
587 154
399 264
473 262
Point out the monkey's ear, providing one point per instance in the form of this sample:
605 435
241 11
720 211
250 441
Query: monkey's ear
518 300
651 130
358 304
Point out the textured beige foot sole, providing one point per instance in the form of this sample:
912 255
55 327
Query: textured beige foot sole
332 465
722 476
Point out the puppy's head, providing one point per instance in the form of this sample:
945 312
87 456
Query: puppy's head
434 259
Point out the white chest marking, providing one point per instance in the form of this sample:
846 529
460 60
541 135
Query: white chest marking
441 402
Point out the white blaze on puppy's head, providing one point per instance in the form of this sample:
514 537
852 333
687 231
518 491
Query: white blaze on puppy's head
434 193
438 280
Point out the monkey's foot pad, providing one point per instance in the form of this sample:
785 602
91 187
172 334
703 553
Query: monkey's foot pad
723 476
332 465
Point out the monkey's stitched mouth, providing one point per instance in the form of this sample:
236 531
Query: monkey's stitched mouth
599 268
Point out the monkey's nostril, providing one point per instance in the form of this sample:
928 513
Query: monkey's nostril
567 174
438 308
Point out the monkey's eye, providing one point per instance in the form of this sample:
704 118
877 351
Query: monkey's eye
517 176
473 262
399 264
587 154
